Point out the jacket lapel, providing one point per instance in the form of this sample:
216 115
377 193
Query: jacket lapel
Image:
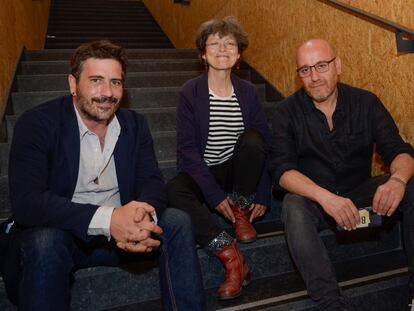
71 141
203 107
122 163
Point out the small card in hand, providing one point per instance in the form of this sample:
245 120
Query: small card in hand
368 219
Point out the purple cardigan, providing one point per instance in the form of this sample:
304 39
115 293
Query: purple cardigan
192 132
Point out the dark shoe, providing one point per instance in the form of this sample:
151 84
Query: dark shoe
237 272
245 232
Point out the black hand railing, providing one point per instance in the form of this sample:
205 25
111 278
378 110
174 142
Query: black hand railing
403 45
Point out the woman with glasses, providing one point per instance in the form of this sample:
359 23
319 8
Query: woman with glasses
222 143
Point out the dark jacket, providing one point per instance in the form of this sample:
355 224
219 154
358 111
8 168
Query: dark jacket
192 133
44 164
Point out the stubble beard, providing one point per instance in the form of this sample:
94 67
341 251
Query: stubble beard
322 97
92 112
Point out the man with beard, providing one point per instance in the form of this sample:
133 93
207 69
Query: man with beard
86 190
323 139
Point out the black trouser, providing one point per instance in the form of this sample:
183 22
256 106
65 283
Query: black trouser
241 174
303 220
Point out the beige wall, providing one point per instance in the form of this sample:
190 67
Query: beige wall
277 27
22 23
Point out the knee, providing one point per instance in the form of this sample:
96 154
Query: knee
175 219
294 210
179 189
46 245
177 226
252 138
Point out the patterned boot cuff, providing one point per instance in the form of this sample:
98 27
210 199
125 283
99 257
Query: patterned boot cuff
243 201
219 242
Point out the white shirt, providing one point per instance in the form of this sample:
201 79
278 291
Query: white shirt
97 180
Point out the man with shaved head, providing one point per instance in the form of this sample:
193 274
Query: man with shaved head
323 140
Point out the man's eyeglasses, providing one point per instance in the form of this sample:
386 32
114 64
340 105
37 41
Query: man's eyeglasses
320 67
228 45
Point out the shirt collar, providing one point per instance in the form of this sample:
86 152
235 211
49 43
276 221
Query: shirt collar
113 126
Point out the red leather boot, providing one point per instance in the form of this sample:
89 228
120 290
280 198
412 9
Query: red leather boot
245 232
237 272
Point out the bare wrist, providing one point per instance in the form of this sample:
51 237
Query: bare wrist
399 180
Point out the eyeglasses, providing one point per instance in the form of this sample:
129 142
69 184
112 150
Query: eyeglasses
228 45
320 67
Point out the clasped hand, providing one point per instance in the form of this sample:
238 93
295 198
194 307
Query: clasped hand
132 227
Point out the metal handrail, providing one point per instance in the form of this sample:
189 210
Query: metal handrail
402 44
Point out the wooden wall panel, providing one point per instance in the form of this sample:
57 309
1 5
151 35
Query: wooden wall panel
277 27
22 23
180 22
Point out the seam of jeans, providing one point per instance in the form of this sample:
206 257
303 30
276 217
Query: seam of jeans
168 278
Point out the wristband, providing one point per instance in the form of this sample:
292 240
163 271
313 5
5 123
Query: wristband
397 179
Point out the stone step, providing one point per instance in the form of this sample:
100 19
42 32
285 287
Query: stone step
115 26
56 9
98 7
110 27
141 65
273 276
141 42
83 13
106 20
120 38
128 45
384 291
66 54
110 16
106 34
274 279
59 82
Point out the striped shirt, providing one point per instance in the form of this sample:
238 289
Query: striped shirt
225 127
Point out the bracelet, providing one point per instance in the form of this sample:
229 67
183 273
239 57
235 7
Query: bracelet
397 179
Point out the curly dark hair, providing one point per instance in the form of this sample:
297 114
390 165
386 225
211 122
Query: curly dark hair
101 49
226 26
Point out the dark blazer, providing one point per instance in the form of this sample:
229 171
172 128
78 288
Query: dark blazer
44 164
192 133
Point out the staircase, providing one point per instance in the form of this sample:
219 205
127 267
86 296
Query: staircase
128 23
370 263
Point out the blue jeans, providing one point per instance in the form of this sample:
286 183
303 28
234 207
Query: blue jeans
304 219
49 256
